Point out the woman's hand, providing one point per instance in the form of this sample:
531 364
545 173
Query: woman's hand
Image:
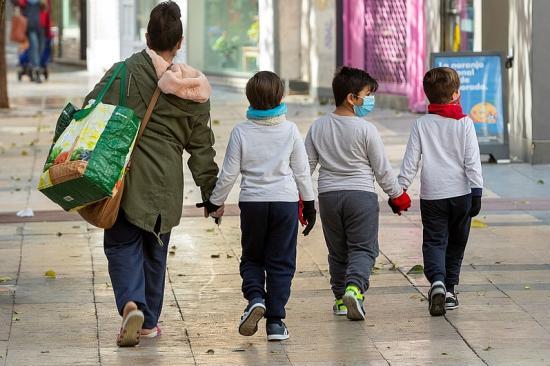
217 215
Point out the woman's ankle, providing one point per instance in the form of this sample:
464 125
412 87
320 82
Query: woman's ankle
130 306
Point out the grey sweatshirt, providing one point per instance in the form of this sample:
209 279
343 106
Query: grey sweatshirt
351 155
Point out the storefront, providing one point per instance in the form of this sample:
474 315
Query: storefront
223 36
69 27
393 39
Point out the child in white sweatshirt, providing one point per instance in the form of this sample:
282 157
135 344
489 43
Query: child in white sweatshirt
268 151
450 183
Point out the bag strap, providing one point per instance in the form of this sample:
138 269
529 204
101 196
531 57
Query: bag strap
145 121
86 111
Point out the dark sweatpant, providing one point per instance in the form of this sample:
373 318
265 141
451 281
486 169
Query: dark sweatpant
350 226
137 267
269 233
446 225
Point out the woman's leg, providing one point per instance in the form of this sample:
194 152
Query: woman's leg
123 246
154 267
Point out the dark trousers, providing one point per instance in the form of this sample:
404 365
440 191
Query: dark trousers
137 267
350 227
269 233
446 229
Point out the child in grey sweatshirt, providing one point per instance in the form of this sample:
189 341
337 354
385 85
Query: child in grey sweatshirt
351 156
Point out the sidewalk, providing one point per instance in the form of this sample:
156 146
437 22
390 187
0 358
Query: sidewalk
504 318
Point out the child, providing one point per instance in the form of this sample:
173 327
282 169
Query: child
351 155
451 183
269 153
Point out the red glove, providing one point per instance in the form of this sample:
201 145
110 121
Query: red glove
400 203
301 212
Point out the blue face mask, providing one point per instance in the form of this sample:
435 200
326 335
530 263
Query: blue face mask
365 108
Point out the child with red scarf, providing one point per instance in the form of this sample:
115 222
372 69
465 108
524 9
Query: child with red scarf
450 183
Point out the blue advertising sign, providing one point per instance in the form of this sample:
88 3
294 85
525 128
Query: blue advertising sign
481 90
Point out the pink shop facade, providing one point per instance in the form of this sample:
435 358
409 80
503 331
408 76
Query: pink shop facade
387 39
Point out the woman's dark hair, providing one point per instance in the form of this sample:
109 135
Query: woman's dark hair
351 80
265 90
164 30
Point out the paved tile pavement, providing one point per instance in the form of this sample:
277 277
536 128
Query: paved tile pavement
71 320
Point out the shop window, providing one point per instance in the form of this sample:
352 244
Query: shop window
143 10
231 30
460 25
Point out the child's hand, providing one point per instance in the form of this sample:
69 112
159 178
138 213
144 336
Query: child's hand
400 203
310 216
217 215
209 207
301 218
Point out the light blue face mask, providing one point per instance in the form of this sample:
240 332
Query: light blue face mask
365 108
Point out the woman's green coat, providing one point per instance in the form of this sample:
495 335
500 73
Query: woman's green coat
154 185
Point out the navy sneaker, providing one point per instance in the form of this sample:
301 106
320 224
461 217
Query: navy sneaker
251 316
276 331
436 299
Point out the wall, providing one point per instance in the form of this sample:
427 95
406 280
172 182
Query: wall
322 52
519 79
541 83
103 35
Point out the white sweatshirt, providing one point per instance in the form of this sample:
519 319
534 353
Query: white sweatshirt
272 161
351 154
449 150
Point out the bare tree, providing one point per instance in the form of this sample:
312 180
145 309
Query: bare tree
4 100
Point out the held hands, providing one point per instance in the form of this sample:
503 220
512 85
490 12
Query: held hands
307 215
212 210
400 203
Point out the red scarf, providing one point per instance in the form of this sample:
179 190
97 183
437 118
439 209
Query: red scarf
453 111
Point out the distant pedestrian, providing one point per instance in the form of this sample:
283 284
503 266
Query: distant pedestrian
451 184
31 9
351 156
137 245
268 151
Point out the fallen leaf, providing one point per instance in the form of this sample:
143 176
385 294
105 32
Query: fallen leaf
498 262
24 153
416 269
59 234
174 247
172 252
210 352
527 287
239 350
5 279
540 181
444 353
50 274
216 122
393 267
478 224
15 318
488 348
214 256
229 256
180 275
107 285
45 351
209 230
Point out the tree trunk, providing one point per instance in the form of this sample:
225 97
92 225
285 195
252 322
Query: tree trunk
4 101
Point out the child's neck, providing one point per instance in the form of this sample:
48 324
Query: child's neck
168 56
345 111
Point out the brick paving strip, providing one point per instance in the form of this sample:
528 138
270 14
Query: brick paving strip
489 204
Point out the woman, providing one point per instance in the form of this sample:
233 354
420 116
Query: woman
136 246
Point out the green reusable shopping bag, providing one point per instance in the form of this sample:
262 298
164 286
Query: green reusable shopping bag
88 159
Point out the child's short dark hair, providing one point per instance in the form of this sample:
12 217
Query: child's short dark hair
440 83
265 90
351 80
164 30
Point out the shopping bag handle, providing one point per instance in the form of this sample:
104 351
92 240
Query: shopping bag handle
120 69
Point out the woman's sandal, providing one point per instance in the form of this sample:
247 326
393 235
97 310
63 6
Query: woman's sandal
130 331
155 333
